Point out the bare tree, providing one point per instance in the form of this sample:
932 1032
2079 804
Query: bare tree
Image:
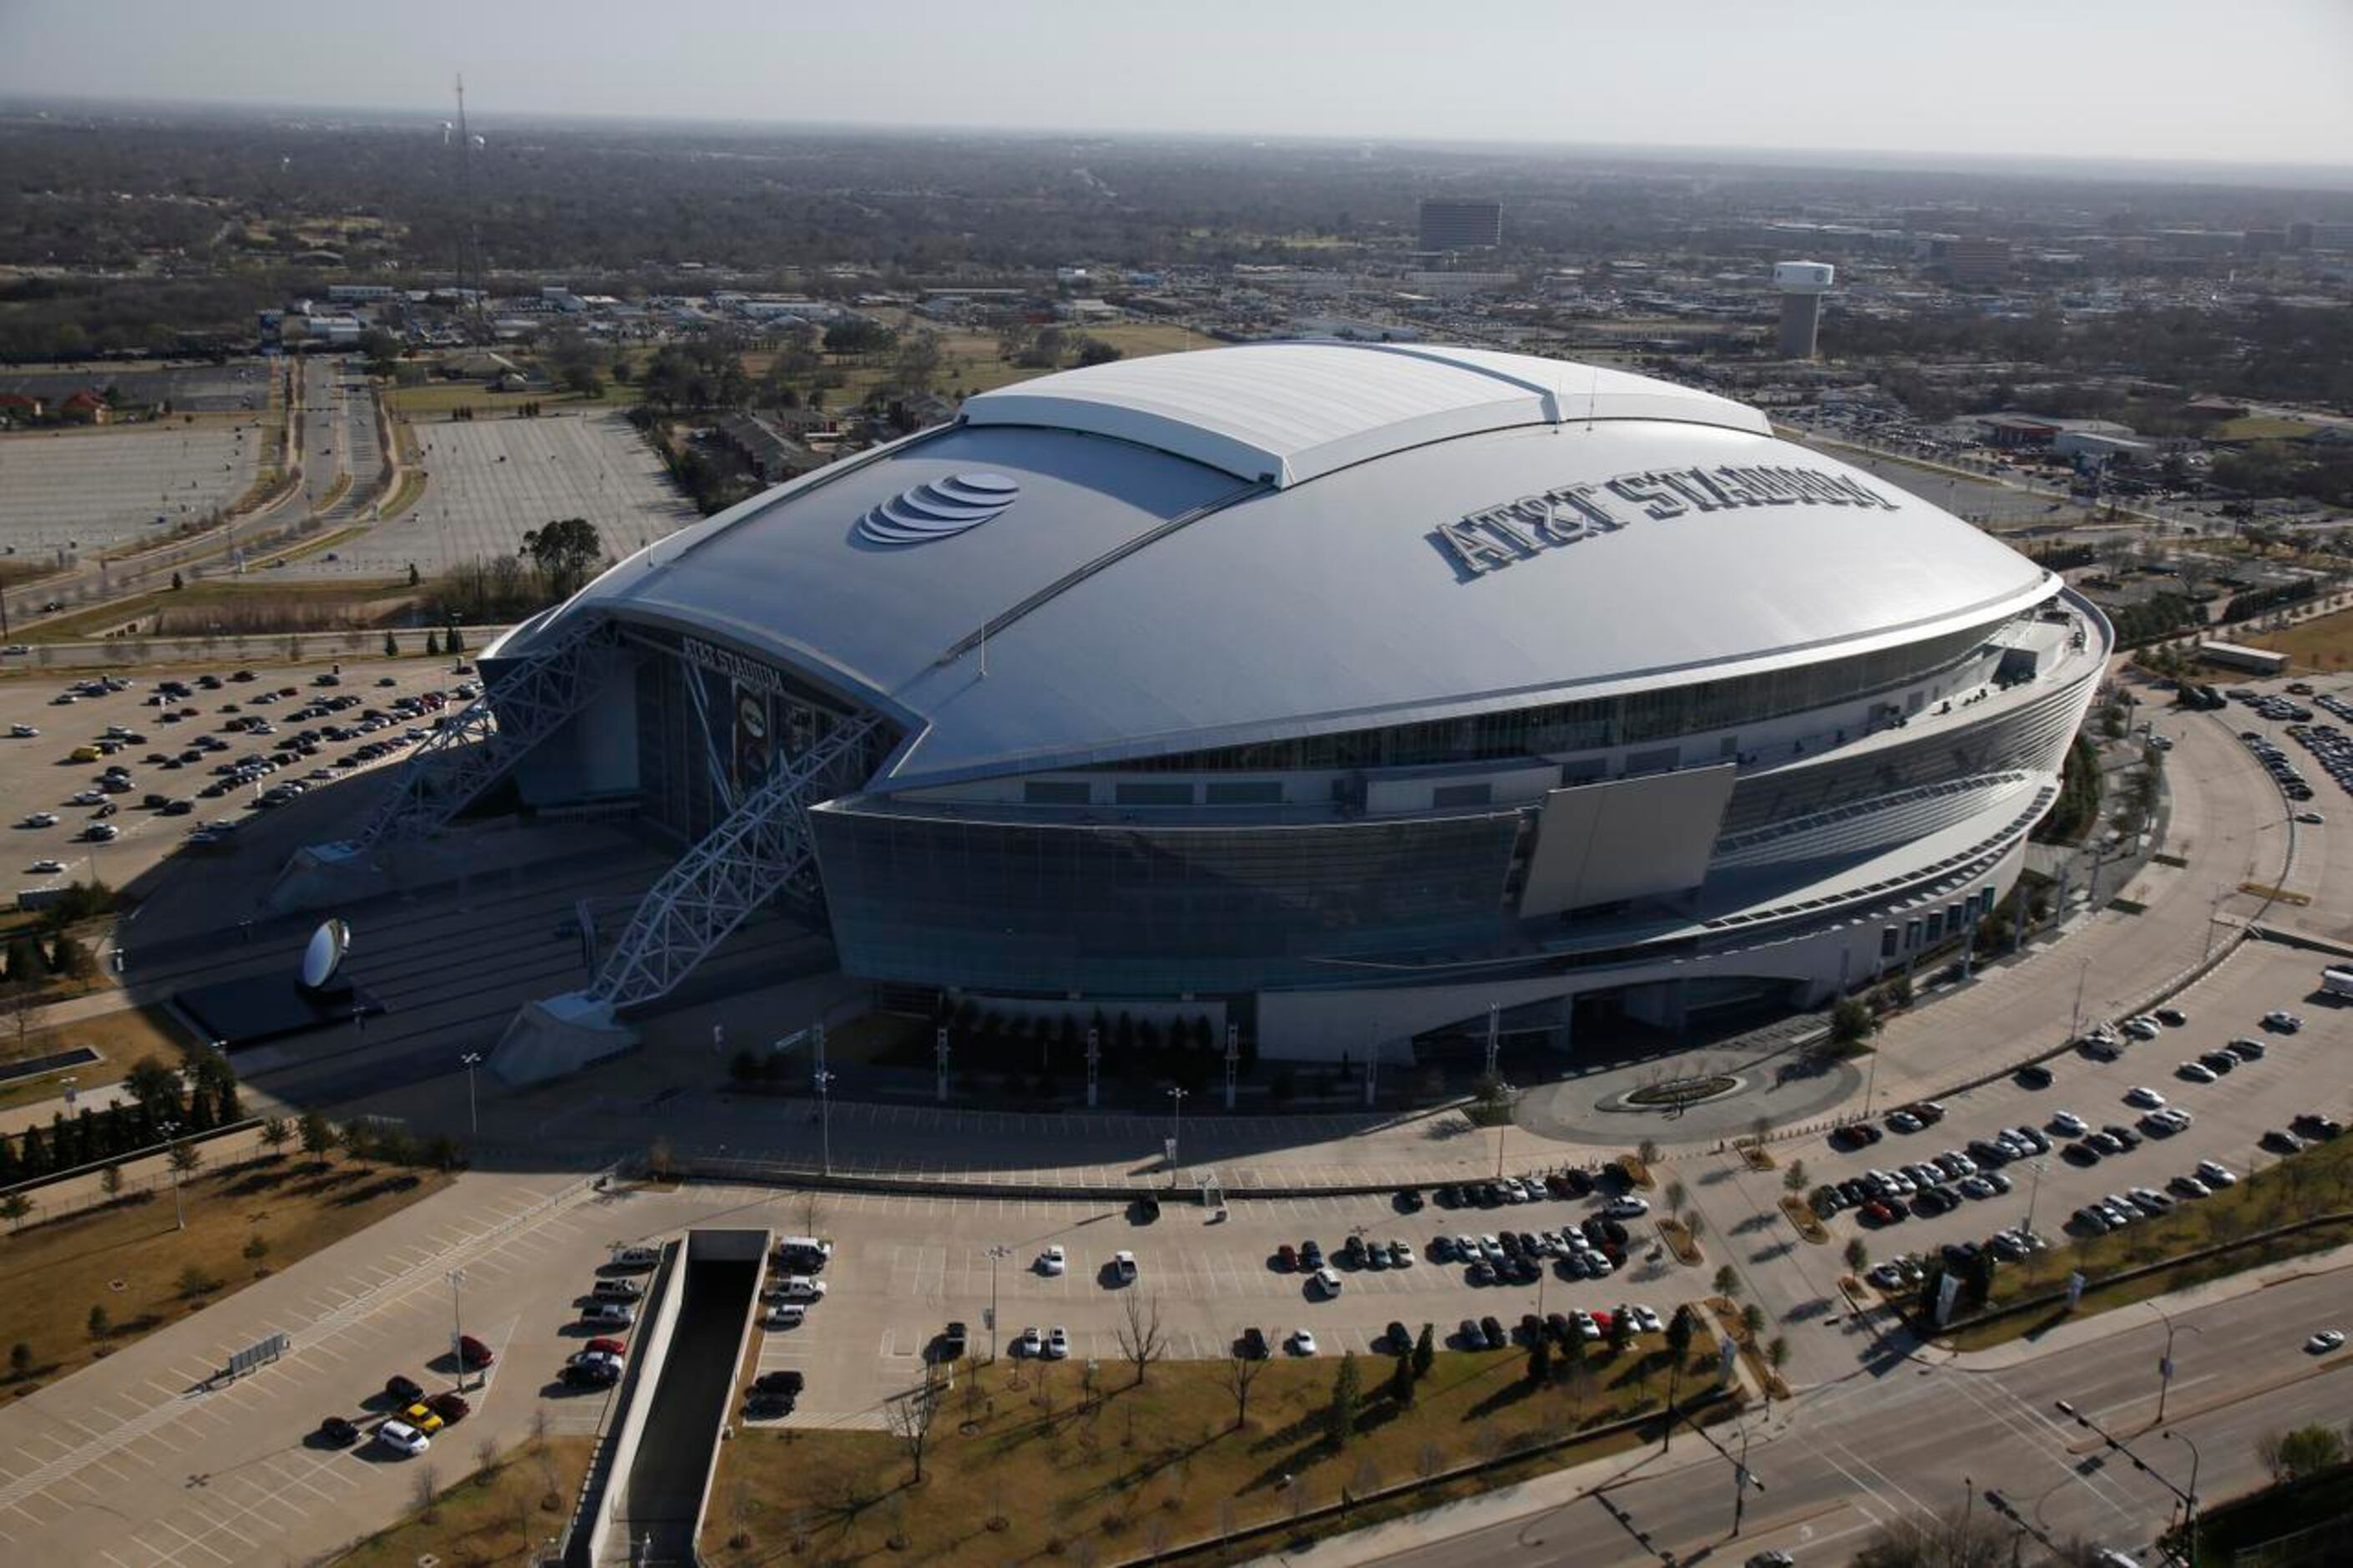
910 1418
1141 1340
1242 1369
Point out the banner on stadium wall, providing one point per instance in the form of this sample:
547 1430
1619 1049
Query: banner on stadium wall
754 735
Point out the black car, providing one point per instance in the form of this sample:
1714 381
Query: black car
1490 1333
591 1374
1510 1241
403 1391
2219 1060
1481 1273
1147 1209
1450 1196
1468 1335
2034 1075
1254 1343
1576 1183
1531 1328
953 1343
1408 1200
2080 1152
2123 1134
1489 1195
788 1382
339 1432
2313 1124
1310 1256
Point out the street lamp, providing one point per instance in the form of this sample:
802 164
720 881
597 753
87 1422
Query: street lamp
825 1115
996 1254
470 1061
457 1277
2190 1506
171 1131
1175 1124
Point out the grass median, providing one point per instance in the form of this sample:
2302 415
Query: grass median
2317 1181
505 1513
129 1262
120 1038
1024 1460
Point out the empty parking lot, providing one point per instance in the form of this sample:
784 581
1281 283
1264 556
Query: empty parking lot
489 482
76 492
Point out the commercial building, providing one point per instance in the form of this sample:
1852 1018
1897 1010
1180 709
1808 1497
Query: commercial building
1340 692
1461 226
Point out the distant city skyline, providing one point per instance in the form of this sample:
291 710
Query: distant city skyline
2133 80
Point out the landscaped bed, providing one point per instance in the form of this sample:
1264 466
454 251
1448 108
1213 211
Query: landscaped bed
1015 1470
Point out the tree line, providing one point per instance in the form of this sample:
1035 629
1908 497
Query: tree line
204 1099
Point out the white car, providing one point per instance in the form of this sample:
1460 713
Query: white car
403 1438
1058 1342
2195 1072
2141 1028
2215 1173
1123 1267
41 819
1302 1342
1327 1281
797 1288
2285 1022
2310 818
1029 1342
45 867
23 732
1628 1207
1053 1260
2144 1097
2068 1123
1648 1321
787 1315
2323 1342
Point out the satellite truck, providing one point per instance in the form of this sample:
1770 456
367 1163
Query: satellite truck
2338 985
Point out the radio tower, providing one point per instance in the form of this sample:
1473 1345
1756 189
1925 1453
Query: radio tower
469 262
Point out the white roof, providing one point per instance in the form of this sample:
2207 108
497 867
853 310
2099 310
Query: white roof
1284 412
1138 602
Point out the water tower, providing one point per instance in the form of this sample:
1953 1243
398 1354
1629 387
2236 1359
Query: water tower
1803 285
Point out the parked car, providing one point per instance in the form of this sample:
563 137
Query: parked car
339 1432
403 1390
403 1438
474 1354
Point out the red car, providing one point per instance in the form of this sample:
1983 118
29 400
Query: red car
474 1353
606 1347
452 1407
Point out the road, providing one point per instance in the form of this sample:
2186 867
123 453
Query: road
1908 1438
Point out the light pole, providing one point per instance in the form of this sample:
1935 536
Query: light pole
2165 1361
996 1254
2076 1023
824 1116
2033 1191
2136 1461
2189 1507
1176 1126
457 1277
470 1061
171 1131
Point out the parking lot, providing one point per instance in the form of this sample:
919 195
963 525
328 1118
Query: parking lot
491 481
904 1266
2297 1073
140 1461
77 492
37 773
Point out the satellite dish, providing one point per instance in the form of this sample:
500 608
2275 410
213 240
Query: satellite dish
325 954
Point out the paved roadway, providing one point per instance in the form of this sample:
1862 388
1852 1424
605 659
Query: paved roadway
1907 1438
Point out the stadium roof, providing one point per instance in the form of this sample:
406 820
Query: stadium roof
1285 413
1090 568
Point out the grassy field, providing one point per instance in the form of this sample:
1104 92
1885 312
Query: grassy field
129 1260
2317 1181
119 1039
2324 644
1022 1462
496 1515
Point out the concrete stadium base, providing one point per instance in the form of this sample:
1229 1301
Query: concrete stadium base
559 1036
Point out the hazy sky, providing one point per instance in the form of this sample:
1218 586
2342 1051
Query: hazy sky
2232 81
